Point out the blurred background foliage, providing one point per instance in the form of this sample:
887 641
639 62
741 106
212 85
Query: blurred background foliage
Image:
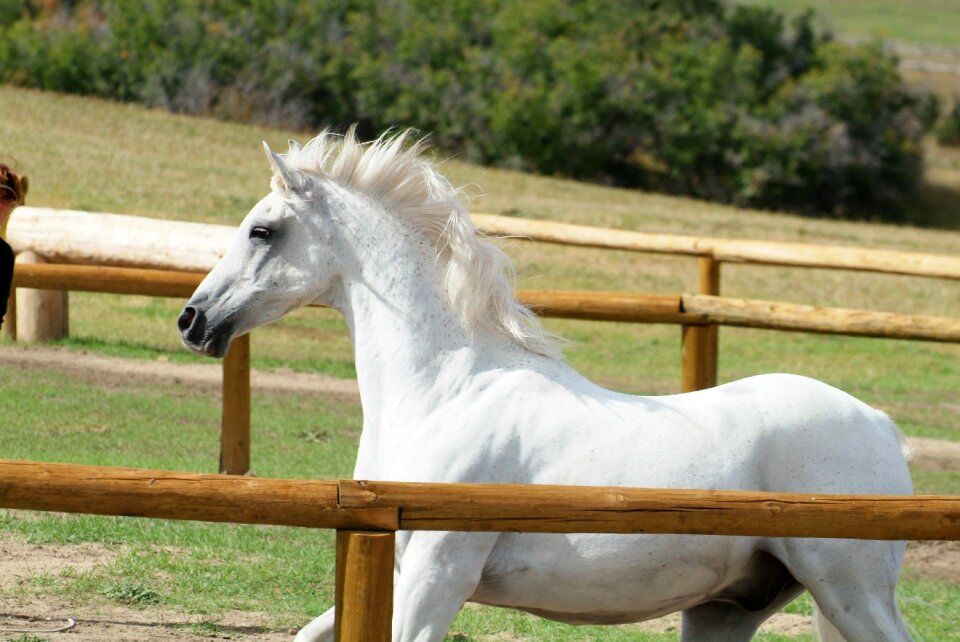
737 104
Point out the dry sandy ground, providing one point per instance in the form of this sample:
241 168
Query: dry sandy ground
20 611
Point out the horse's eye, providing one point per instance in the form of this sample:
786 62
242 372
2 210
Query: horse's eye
260 233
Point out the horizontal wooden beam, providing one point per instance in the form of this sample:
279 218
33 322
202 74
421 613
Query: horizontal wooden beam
607 306
837 257
805 318
349 504
95 238
688 309
602 306
113 280
65 236
131 492
588 236
577 509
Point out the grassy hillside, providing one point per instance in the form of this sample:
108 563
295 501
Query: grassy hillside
95 155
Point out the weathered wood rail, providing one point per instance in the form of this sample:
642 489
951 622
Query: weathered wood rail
367 515
835 257
685 309
66 236
381 505
598 509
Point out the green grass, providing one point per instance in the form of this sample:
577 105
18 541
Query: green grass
199 568
285 573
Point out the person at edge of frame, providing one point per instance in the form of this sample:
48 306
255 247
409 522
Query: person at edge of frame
13 191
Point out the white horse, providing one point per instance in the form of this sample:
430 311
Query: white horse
460 383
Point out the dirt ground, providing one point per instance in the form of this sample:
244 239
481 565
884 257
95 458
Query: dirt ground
23 614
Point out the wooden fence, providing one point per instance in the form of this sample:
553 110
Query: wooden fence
835 257
62 235
67 236
700 352
366 515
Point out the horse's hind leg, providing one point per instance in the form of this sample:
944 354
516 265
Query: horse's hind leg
854 585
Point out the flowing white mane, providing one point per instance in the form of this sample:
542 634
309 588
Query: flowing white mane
392 170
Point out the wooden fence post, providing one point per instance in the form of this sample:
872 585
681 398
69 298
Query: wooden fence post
710 284
364 591
700 344
42 315
235 421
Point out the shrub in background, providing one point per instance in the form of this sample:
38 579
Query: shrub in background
734 104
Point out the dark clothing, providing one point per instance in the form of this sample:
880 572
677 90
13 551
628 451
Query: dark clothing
6 276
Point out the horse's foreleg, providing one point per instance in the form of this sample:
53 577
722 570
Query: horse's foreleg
319 630
438 573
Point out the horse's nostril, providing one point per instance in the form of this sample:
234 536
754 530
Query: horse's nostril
186 318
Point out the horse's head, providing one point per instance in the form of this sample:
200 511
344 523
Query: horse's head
342 214
280 260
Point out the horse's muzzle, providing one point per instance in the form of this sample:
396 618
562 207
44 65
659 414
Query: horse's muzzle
200 338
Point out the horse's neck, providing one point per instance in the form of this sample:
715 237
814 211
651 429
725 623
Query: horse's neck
410 348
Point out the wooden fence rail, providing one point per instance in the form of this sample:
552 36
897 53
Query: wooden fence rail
835 257
378 505
131 492
367 515
686 309
66 236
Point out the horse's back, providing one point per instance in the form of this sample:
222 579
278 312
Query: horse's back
806 435
774 432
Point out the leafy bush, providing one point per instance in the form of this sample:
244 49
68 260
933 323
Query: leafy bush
688 96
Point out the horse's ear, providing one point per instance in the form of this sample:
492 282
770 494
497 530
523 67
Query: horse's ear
293 146
292 179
